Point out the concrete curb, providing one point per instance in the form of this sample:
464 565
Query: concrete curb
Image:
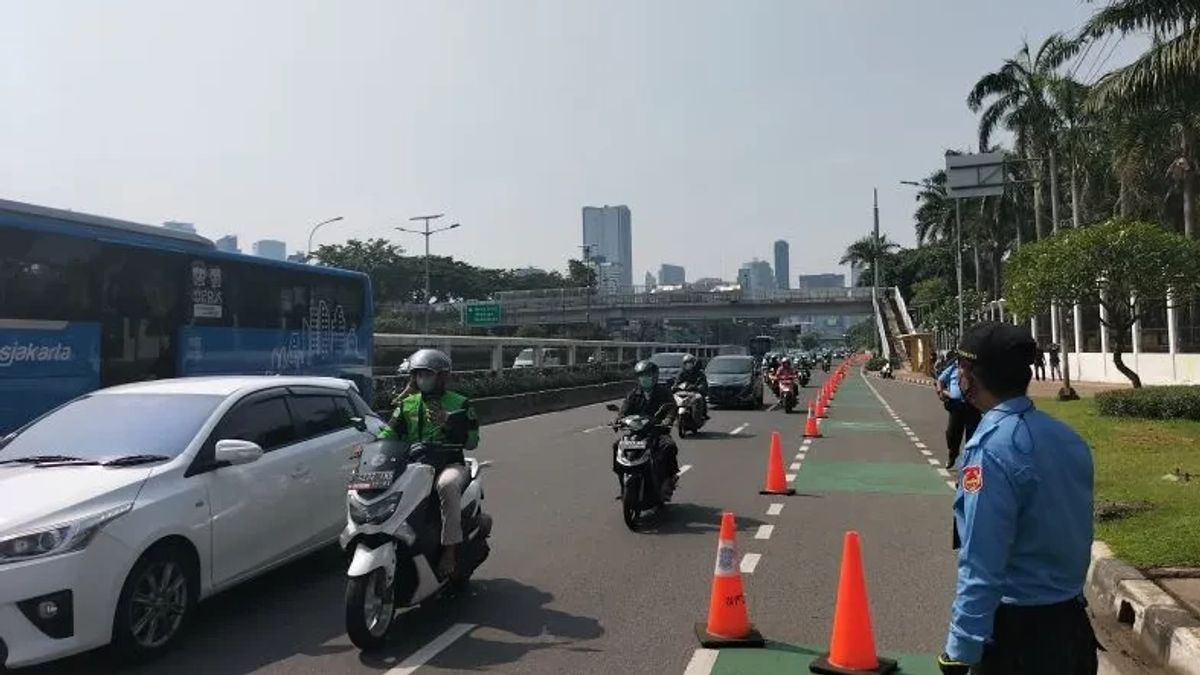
924 382
1169 630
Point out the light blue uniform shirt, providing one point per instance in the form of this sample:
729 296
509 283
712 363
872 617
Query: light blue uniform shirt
949 380
1024 514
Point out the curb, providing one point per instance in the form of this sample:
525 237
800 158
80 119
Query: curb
924 382
1169 630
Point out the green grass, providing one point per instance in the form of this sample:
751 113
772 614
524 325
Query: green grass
1131 457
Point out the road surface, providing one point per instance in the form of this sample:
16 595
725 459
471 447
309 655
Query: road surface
569 589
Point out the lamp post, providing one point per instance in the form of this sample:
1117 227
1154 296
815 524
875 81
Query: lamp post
308 251
427 233
958 269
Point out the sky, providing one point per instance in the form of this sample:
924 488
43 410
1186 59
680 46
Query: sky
722 125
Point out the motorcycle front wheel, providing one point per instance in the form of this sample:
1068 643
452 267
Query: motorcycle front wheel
631 497
370 606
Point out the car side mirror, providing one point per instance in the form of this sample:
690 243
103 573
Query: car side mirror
358 423
233 452
611 407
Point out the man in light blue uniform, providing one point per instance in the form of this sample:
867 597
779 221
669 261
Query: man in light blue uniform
963 417
1024 510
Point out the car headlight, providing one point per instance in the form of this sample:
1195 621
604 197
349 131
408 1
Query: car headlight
61 538
377 512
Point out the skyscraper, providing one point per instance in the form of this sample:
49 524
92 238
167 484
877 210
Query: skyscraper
806 281
228 243
607 234
270 248
855 272
671 275
756 275
781 265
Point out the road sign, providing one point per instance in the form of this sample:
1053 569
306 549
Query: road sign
979 175
481 314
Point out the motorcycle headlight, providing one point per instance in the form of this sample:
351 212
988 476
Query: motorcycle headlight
377 512
65 537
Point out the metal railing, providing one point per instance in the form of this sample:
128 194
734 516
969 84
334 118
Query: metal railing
583 297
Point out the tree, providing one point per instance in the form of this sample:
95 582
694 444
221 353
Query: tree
935 211
1126 267
1165 77
581 274
810 341
868 251
379 259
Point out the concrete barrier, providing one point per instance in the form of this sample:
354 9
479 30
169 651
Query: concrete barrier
503 408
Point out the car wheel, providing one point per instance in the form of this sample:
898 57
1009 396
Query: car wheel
156 603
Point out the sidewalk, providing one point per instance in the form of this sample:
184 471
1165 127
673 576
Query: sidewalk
1036 387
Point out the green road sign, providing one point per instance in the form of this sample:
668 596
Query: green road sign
482 314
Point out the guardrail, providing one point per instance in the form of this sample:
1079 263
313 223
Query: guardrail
492 353
580 297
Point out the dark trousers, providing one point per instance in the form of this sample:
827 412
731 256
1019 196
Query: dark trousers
960 427
1039 369
1055 370
1044 640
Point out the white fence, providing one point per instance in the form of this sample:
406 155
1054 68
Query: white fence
1154 368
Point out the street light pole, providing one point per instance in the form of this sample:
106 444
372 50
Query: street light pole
308 251
427 233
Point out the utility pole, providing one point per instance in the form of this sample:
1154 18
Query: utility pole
958 266
427 233
876 261
587 266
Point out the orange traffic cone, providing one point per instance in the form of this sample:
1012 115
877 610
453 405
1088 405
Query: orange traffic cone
728 618
811 430
821 412
776 481
852 647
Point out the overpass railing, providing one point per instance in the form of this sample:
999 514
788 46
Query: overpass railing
582 297
497 353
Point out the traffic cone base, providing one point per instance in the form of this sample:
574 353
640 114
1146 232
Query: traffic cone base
710 641
824 667
786 493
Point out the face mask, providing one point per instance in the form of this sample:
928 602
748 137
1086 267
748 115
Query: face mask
646 382
426 383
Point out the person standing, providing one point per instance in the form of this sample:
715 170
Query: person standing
1055 371
962 417
1039 362
1024 508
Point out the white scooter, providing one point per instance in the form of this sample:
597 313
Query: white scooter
394 530
687 399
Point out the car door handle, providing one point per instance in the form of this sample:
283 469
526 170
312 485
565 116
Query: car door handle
301 471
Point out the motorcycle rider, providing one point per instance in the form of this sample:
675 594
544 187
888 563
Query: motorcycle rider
691 373
784 369
648 398
420 417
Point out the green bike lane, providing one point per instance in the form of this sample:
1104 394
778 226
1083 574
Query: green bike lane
866 474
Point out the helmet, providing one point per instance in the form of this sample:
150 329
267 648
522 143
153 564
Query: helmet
646 368
429 359
689 361
785 361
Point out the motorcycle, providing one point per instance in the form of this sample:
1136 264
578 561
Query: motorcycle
886 372
642 485
804 377
393 529
825 366
787 393
687 399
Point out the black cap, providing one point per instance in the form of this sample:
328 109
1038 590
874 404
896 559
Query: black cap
995 343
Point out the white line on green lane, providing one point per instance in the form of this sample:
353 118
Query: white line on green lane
432 649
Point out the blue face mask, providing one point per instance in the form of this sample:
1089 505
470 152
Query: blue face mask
646 382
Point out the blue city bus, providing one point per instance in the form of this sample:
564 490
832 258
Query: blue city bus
89 302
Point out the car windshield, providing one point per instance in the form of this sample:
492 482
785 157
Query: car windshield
105 426
666 360
729 365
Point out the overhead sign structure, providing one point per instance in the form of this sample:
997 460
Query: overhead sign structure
481 314
978 175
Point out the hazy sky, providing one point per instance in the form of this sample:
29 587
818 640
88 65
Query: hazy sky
723 125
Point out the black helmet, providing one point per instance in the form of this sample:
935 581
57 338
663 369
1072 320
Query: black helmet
429 359
646 368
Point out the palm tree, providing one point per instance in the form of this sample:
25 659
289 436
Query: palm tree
1020 103
868 251
1166 76
935 211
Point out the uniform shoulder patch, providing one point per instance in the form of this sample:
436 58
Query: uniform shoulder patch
972 478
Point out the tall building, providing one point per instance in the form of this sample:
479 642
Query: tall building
781 265
608 238
671 275
807 281
179 226
270 248
228 243
756 275
649 281
855 273
298 257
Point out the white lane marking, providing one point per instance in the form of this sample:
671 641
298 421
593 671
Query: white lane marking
943 473
799 456
806 442
702 662
927 453
951 484
774 509
749 562
794 467
764 531
602 426
774 406
684 469
790 477
432 649
739 429
922 446
933 461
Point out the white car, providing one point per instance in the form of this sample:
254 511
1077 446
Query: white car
123 508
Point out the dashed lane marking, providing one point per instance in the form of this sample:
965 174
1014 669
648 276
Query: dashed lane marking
911 435
738 429
774 509
952 485
432 649
749 562
702 662
944 473
602 426
684 469
934 462
790 477
806 442
921 446
794 467
764 531
927 453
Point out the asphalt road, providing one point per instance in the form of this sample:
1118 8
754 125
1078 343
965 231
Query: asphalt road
569 589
